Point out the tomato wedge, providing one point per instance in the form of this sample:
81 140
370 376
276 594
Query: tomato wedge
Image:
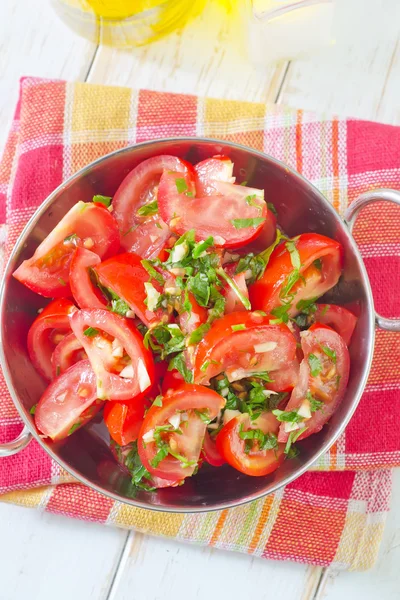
126 277
68 352
85 294
206 172
242 344
171 436
319 260
172 381
145 234
337 317
86 224
233 218
210 452
47 330
124 419
69 402
323 378
252 460
123 367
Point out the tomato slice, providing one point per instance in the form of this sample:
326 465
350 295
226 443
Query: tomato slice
285 379
337 317
320 265
323 378
198 315
86 224
210 452
68 352
251 460
85 294
123 367
180 406
233 302
172 381
124 419
69 402
125 276
144 234
241 344
228 217
47 330
206 172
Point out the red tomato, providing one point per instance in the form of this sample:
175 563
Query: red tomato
214 215
124 419
69 402
339 318
184 401
206 172
123 366
172 381
264 239
125 276
211 453
285 379
198 315
255 462
85 294
68 352
46 331
265 294
144 235
47 272
241 344
233 302
325 352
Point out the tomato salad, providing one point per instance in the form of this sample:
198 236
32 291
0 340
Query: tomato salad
189 322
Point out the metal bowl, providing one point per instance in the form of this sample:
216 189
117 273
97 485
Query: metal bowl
86 454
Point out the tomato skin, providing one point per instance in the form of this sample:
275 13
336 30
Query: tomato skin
330 392
232 447
112 386
47 271
85 294
211 215
52 321
338 318
188 397
69 400
68 352
210 452
172 381
264 293
125 276
124 419
216 168
233 351
137 189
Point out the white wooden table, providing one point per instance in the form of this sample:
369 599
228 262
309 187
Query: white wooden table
44 556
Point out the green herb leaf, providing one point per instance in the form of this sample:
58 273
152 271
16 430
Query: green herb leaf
251 201
331 353
181 185
244 223
106 200
74 427
281 314
201 247
158 401
71 238
178 362
272 208
315 365
287 416
146 264
290 281
33 409
197 335
294 254
243 299
266 441
120 307
161 454
314 403
266 254
325 309
293 436
91 332
264 375
136 469
62 281
199 285
318 263
307 306
239 327
148 209
204 415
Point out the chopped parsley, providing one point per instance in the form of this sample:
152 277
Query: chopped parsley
74 427
146 264
91 332
136 469
315 365
287 416
251 201
314 403
157 401
33 409
293 437
106 200
181 185
244 223
148 209
238 327
331 353
281 313
178 362
265 441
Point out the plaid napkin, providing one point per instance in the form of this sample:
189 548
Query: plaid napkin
324 517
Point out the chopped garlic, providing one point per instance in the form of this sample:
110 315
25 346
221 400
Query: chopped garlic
177 271
143 376
268 393
238 374
248 274
265 347
291 427
152 296
128 372
130 314
58 337
304 410
172 291
184 417
153 238
179 252
110 208
224 392
228 257
148 436
175 420
61 397
173 222
88 243
117 349
230 414
219 241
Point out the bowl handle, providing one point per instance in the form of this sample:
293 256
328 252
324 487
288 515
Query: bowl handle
380 195
16 445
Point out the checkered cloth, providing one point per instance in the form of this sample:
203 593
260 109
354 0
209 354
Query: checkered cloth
333 516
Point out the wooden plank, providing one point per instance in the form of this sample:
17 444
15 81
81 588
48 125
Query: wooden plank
383 580
158 568
353 77
207 58
33 41
46 556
